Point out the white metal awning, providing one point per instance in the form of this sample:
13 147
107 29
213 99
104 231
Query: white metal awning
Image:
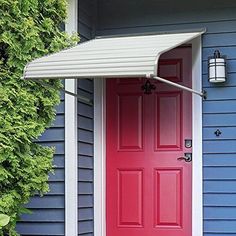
109 57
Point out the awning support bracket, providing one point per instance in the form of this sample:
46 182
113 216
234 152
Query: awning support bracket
80 98
203 94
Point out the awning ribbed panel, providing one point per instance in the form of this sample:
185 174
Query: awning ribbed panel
129 56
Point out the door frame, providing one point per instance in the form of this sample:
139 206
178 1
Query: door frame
100 148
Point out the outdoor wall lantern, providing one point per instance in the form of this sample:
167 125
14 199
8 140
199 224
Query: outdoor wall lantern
217 68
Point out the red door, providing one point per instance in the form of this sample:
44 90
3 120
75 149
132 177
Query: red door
148 191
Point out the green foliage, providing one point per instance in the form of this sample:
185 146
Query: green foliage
4 220
28 29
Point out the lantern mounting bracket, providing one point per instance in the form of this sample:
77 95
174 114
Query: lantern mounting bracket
203 94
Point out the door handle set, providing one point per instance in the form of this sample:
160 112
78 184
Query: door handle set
187 157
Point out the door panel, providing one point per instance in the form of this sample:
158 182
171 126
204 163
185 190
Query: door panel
130 202
148 191
171 69
168 121
130 134
168 208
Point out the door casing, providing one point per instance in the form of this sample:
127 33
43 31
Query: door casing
100 148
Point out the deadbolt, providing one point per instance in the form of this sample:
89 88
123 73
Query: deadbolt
188 143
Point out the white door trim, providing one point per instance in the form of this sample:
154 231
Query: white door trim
197 177
99 158
71 146
100 149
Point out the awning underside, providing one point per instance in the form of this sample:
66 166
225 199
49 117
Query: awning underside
129 56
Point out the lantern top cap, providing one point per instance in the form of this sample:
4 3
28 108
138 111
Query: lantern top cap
217 54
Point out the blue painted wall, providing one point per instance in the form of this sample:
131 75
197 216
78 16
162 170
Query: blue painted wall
47 216
219 110
85 158
87 9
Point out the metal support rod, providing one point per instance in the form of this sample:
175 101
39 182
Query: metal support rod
81 98
202 94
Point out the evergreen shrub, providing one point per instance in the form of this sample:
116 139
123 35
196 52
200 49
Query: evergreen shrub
28 29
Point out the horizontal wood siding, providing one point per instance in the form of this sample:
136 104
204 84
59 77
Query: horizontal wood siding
85 129
87 16
48 212
219 110
85 152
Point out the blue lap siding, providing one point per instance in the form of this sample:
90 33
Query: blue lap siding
85 158
219 110
48 212
85 129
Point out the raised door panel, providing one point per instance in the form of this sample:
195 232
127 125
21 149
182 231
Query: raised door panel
168 121
130 198
130 122
168 198
171 69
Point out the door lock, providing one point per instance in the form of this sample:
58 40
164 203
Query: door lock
188 143
187 157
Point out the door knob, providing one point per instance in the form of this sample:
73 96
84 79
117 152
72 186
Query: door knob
187 157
